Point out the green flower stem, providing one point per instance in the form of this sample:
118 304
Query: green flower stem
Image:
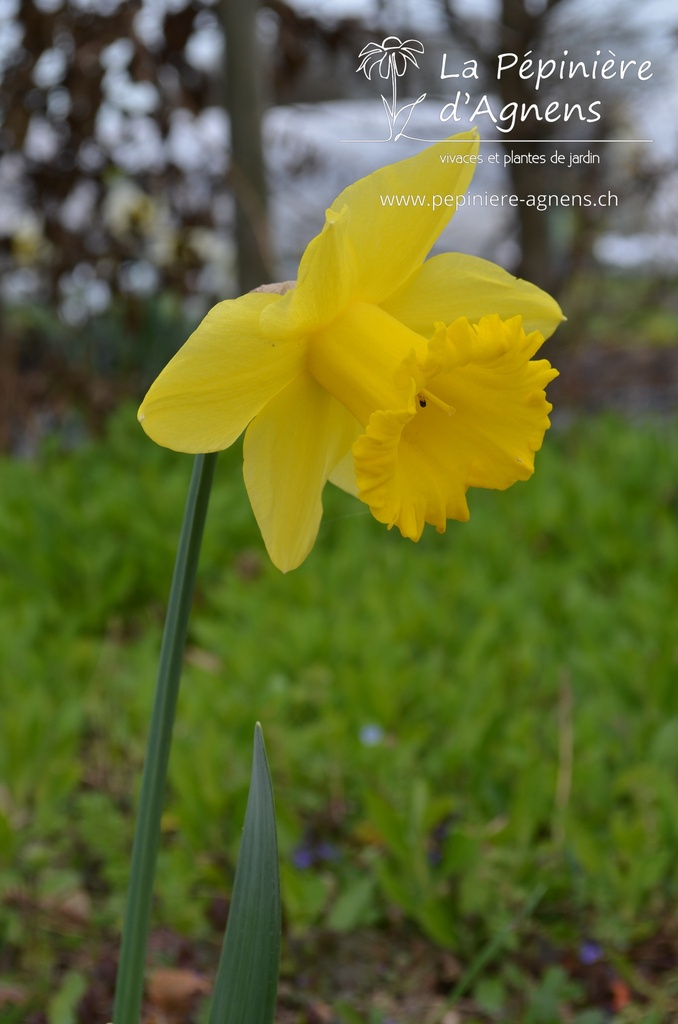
130 982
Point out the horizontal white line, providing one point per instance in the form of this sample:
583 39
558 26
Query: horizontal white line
493 142
544 142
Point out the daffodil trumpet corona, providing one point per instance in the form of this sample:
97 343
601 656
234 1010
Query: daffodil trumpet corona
403 380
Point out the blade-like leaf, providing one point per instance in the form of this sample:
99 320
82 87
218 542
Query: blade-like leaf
247 980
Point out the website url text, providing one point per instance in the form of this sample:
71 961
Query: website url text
541 201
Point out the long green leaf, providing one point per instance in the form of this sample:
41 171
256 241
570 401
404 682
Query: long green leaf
247 980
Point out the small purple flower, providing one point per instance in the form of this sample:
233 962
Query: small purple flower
437 840
309 853
590 953
303 857
371 735
326 851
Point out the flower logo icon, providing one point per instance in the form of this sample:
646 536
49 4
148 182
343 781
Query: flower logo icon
392 57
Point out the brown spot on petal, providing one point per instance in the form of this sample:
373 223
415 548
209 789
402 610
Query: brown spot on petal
279 288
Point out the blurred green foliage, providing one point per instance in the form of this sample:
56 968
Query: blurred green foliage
449 724
617 308
134 337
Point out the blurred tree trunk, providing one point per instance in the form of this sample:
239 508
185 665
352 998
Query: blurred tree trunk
521 31
522 27
248 176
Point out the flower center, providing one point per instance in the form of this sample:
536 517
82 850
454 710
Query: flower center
424 397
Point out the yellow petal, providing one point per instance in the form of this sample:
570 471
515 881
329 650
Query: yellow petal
290 450
369 247
453 285
501 410
356 356
323 288
406 471
476 421
220 379
343 474
390 241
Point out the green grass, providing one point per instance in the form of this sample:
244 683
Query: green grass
457 730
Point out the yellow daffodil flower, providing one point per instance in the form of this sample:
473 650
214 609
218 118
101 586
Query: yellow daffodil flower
403 380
